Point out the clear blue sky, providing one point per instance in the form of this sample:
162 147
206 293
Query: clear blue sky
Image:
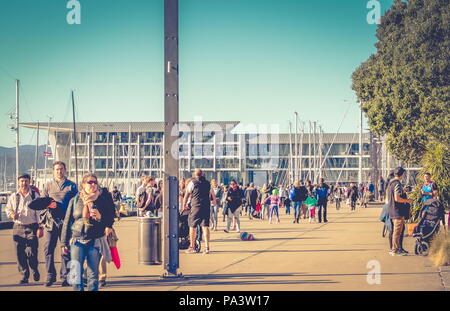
256 61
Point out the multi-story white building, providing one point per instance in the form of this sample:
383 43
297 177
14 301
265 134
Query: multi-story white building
120 152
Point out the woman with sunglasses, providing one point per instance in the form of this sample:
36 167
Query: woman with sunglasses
89 219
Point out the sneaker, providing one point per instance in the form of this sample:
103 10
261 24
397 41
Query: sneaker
65 284
310 220
404 251
226 231
23 281
237 231
50 282
294 221
36 276
206 251
191 250
396 253
102 283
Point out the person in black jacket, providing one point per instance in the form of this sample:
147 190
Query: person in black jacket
89 220
353 194
234 200
251 198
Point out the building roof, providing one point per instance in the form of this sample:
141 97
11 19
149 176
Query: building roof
281 138
123 126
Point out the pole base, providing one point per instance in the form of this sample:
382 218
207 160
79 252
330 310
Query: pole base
166 275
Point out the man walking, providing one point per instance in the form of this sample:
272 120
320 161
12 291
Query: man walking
398 210
26 229
322 192
199 191
251 198
61 190
353 194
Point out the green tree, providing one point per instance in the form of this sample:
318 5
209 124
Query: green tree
404 88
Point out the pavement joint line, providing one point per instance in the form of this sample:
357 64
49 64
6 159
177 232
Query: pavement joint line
443 279
188 281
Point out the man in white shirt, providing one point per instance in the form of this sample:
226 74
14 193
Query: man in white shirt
26 229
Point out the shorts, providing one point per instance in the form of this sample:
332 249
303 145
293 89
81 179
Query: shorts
199 217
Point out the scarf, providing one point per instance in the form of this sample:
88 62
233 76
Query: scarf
88 201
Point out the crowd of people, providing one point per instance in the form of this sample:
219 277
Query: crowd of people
82 219
205 201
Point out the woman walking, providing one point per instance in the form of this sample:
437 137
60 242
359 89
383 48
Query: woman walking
89 220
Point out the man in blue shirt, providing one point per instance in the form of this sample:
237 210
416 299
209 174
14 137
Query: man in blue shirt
322 192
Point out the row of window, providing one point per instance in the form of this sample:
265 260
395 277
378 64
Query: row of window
269 163
251 149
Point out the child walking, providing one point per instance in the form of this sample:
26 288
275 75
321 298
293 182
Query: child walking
311 204
287 204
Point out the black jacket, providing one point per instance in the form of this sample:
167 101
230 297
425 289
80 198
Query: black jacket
236 199
251 196
74 226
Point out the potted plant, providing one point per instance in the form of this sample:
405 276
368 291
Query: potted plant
416 206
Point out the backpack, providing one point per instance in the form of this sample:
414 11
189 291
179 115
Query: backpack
142 199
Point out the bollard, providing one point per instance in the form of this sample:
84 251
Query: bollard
149 240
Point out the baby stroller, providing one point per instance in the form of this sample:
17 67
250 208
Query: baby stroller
432 213
183 232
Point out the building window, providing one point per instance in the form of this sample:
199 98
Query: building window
101 137
227 163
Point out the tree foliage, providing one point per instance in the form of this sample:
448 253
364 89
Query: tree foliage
404 88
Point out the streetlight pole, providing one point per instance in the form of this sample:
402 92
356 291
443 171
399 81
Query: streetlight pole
171 148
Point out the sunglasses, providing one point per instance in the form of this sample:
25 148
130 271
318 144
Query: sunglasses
92 182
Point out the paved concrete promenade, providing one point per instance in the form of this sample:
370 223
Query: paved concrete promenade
285 256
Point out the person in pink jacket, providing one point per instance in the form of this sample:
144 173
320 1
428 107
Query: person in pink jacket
274 201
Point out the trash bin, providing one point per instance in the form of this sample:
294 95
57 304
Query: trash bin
150 240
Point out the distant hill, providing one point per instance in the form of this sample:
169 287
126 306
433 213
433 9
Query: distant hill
26 159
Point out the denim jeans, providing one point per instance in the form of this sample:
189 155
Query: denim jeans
272 209
51 239
288 209
214 215
79 253
322 209
297 206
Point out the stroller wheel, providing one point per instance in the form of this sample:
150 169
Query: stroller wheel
422 248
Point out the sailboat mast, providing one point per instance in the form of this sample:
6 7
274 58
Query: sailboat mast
17 131
36 152
75 139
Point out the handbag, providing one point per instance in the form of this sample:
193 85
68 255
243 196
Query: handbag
112 242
